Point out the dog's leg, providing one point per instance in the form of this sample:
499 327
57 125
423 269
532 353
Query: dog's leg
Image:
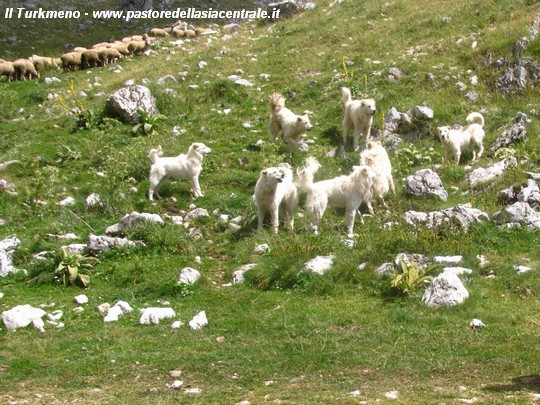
159 184
196 186
288 218
479 154
350 214
347 123
391 184
274 129
274 217
260 217
457 156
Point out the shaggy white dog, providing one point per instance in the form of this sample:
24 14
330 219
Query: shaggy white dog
275 192
184 167
455 141
358 114
376 157
344 192
290 124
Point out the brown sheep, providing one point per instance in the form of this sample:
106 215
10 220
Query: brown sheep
158 33
80 49
7 69
178 33
90 59
71 60
190 33
41 62
138 47
24 69
108 55
122 49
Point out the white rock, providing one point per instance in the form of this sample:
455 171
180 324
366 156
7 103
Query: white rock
445 290
93 201
448 260
176 385
55 315
176 324
23 315
103 307
193 391
202 64
458 271
320 264
152 315
198 321
522 269
66 202
189 275
113 314
262 248
124 306
355 393
238 274
476 323
392 395
7 250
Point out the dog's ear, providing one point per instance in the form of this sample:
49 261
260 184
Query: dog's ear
264 172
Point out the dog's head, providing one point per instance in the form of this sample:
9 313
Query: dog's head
201 148
303 121
444 133
369 106
273 174
374 144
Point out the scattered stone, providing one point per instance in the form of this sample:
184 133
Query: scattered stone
74 248
445 290
198 321
7 250
65 237
458 271
385 270
516 133
81 299
448 260
421 260
462 215
23 315
127 103
189 275
421 113
176 324
93 201
518 214
476 324
114 312
193 391
355 393
152 315
66 202
522 269
425 182
392 395
320 264
7 187
5 164
129 220
518 75
482 175
176 385
103 307
196 213
165 79
238 274
264 248
101 243
529 194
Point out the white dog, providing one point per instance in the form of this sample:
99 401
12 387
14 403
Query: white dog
455 141
185 167
283 119
344 192
275 192
358 114
376 157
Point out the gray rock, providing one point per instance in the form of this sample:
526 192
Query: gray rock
482 175
127 103
461 215
93 201
421 260
421 113
287 8
7 250
385 270
196 213
518 214
446 290
238 274
7 187
425 183
529 194
129 220
392 121
101 243
320 264
189 275
518 76
516 133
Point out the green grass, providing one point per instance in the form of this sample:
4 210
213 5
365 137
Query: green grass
288 336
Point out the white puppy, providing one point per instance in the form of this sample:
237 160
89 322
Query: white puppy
358 114
455 141
376 157
344 192
275 192
283 119
185 167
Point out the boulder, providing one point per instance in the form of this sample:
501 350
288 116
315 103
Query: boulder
101 243
196 213
23 315
127 103
238 274
461 215
446 290
93 201
198 321
152 315
518 76
129 220
189 275
482 175
529 194
518 214
516 133
320 264
7 249
425 183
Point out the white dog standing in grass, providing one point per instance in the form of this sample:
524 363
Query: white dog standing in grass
455 141
183 167
275 192
358 114
343 192
376 157
282 119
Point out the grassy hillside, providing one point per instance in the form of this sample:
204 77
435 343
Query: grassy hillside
285 336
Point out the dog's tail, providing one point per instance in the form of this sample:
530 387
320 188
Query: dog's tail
305 175
277 102
346 95
154 154
476 118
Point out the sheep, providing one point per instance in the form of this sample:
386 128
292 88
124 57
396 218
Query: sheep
71 60
108 55
203 31
190 33
24 69
2 60
7 69
138 47
41 62
100 45
158 32
90 59
121 48
80 49
178 33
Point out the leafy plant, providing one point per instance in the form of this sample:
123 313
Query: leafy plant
410 277
147 123
84 118
409 156
70 268
67 154
348 76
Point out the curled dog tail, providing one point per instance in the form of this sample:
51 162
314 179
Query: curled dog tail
277 102
154 154
346 95
475 118
305 175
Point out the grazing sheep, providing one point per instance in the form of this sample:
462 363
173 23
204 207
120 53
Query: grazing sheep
138 47
121 48
178 33
41 62
7 69
90 59
108 55
80 49
190 33
202 31
100 45
71 61
2 60
138 37
159 33
24 69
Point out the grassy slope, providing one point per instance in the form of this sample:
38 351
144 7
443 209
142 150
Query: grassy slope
328 335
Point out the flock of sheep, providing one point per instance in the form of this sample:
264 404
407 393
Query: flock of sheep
100 54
